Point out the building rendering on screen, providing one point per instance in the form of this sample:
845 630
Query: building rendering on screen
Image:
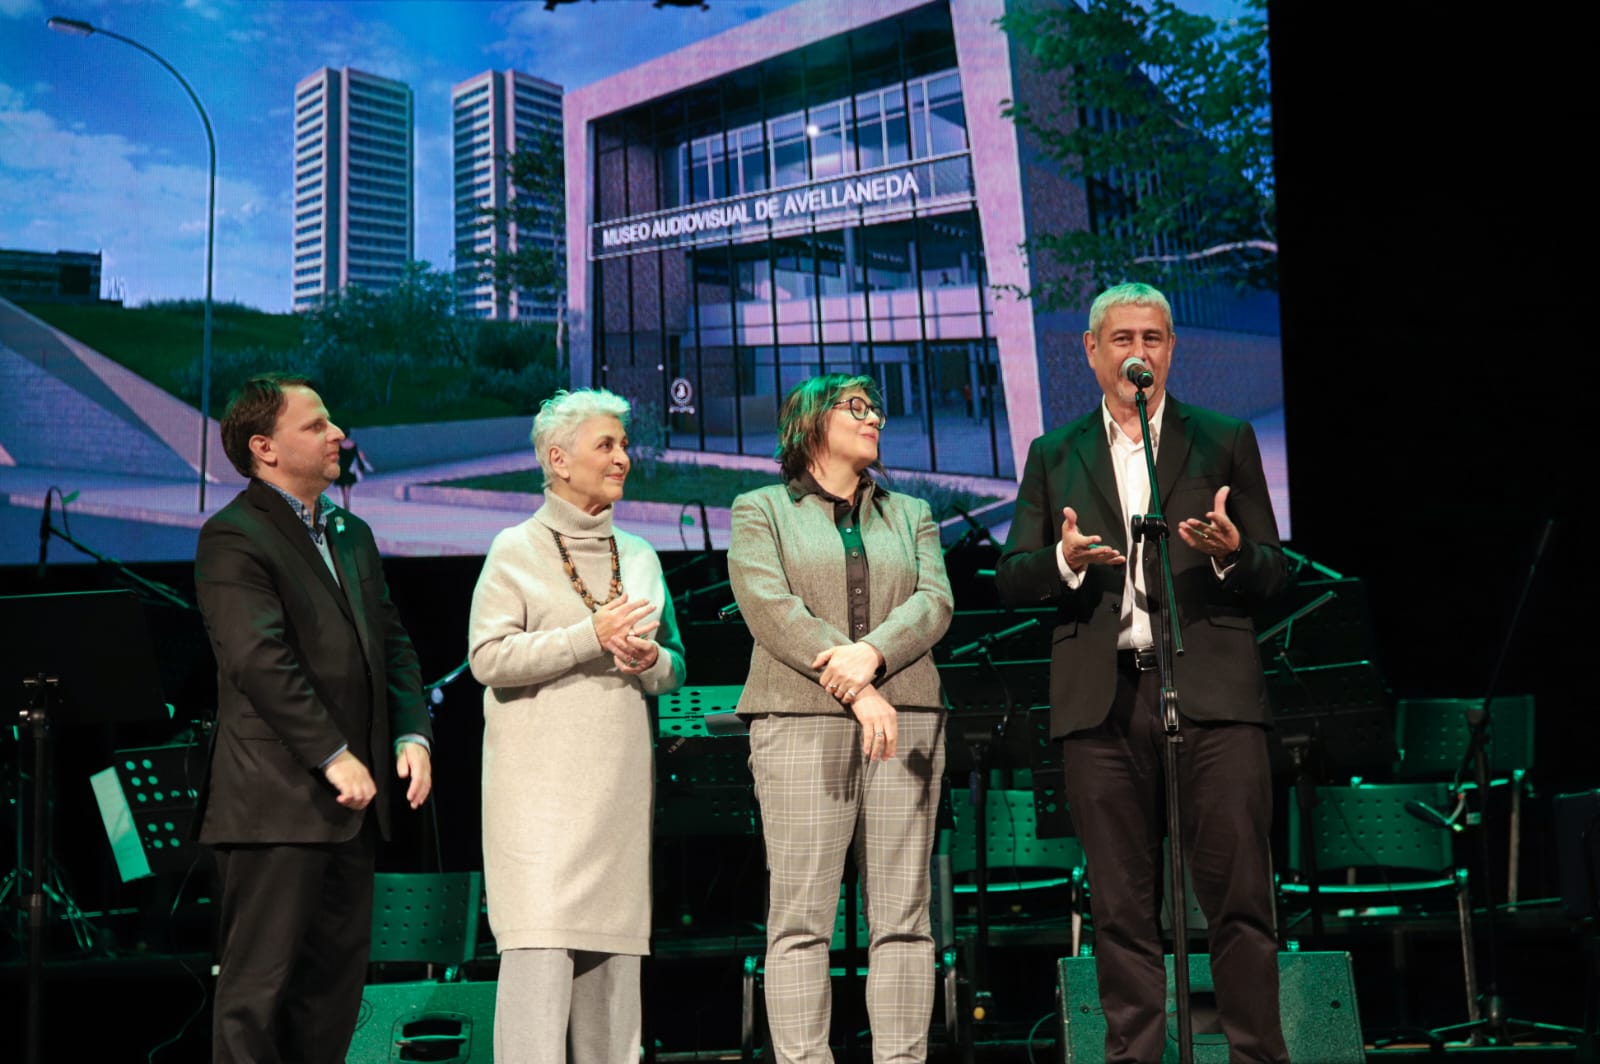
354 183
497 113
834 187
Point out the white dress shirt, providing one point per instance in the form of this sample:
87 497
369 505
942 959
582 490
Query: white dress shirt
1133 489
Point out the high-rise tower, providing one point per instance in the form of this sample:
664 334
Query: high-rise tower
497 113
354 189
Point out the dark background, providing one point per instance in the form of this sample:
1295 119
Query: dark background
1437 302
1435 335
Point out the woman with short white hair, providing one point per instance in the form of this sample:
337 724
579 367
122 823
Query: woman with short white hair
571 629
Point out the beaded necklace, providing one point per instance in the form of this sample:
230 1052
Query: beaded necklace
577 581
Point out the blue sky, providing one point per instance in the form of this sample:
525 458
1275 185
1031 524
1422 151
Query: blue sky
101 150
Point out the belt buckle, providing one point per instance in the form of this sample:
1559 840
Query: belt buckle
1144 658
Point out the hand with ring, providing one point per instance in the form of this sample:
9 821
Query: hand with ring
880 724
850 667
634 654
1216 535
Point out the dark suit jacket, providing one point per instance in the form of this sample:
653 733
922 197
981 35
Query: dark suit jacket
304 666
1219 676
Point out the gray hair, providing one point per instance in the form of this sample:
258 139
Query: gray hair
1135 294
556 424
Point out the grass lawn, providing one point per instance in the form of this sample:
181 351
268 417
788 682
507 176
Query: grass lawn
715 486
159 343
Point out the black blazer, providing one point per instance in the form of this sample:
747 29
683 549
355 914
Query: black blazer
1219 676
304 666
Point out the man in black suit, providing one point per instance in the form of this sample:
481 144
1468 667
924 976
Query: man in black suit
317 687
1069 547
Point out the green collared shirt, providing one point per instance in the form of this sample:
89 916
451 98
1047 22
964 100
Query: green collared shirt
847 519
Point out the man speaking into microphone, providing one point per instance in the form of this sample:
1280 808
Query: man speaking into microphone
1070 548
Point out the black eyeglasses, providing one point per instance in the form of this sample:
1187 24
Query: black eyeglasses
859 409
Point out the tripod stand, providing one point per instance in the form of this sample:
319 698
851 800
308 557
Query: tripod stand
19 880
80 658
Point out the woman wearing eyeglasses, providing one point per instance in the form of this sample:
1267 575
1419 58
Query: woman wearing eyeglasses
843 586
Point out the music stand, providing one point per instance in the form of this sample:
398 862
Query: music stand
147 804
702 775
82 658
1342 708
1331 712
982 697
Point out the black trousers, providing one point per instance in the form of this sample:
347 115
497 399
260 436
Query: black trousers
296 931
1115 785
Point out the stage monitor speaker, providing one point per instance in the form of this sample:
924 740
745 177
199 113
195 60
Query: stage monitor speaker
425 1023
1316 992
1578 852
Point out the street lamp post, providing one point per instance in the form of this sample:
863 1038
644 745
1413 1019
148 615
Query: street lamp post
77 28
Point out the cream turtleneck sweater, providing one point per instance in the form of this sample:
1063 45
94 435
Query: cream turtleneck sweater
568 747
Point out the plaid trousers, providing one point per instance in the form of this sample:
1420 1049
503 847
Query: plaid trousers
819 796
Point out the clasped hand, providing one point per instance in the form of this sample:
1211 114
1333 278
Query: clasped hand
621 629
847 674
847 670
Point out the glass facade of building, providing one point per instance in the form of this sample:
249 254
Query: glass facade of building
814 213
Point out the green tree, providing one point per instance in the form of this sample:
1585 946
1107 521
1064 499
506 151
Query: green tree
362 340
516 362
1164 116
537 207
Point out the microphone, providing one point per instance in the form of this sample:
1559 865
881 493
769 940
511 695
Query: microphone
984 642
977 533
1137 373
44 532
693 593
436 688
683 567
1429 815
705 524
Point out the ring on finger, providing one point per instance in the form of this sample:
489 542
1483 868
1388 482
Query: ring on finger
849 694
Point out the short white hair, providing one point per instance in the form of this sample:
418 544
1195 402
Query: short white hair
556 424
1132 294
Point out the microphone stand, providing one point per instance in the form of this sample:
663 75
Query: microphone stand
1148 527
1495 1026
433 693
153 590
